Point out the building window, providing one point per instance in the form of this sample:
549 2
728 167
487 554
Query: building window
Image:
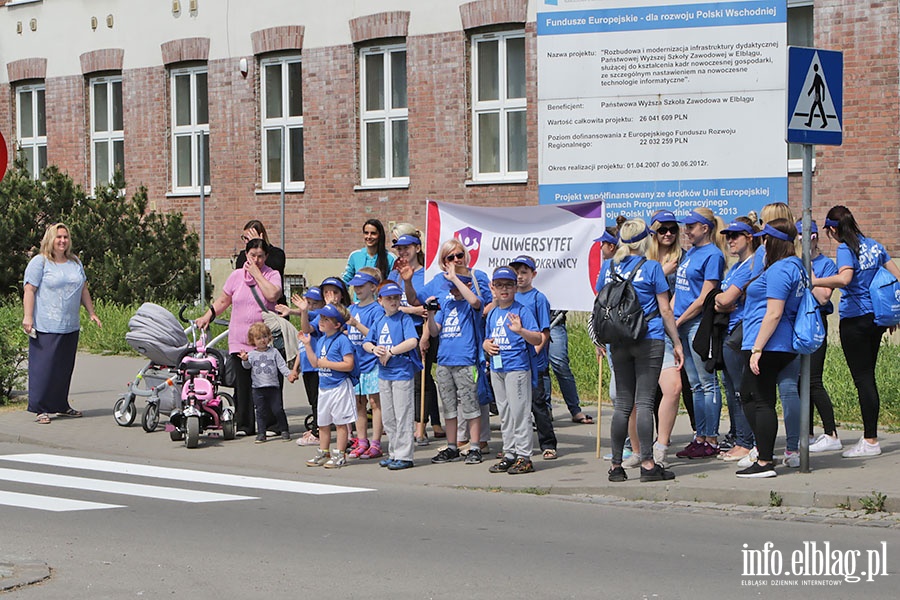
282 122
499 142
190 128
799 33
31 127
385 115
107 131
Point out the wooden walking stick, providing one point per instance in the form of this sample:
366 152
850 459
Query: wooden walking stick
600 360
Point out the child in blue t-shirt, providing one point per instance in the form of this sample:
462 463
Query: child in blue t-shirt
457 324
365 313
334 357
314 302
393 340
509 330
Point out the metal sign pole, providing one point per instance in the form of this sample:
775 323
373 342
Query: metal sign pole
283 164
202 175
807 266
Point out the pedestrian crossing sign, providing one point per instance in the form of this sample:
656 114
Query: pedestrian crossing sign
815 96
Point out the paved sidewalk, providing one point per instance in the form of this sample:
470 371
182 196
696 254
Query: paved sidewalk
834 481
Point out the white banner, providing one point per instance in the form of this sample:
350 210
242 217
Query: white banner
558 238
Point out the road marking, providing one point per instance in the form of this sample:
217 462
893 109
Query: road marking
50 504
188 475
116 487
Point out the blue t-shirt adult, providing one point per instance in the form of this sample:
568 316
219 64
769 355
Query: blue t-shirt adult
333 347
57 300
781 281
537 302
361 258
759 261
700 264
418 283
823 266
389 331
649 281
514 354
739 275
459 346
367 315
855 298
439 287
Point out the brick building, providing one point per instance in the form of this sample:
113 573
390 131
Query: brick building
375 106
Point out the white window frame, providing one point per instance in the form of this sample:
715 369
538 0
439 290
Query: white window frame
503 106
795 165
193 129
388 115
286 123
110 135
33 143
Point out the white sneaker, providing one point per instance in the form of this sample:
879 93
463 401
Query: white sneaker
791 459
749 459
632 462
337 460
862 448
321 457
826 443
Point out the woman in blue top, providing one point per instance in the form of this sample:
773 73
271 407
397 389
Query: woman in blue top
374 254
638 364
55 290
858 259
741 244
770 309
699 273
822 266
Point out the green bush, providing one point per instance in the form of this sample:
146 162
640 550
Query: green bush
13 350
130 254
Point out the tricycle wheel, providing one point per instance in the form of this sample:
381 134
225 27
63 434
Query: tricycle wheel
192 438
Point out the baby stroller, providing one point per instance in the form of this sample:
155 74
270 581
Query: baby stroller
155 333
202 406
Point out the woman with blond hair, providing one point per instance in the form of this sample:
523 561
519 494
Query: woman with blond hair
55 289
698 275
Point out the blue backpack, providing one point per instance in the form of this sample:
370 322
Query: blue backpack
809 327
885 293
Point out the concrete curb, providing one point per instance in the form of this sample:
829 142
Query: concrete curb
17 574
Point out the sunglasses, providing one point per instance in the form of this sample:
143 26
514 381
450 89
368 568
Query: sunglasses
732 235
457 256
664 230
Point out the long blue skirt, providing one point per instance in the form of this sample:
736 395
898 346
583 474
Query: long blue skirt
51 360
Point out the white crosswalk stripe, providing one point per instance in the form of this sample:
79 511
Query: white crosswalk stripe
21 476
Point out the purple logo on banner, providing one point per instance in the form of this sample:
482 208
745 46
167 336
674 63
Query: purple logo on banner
471 239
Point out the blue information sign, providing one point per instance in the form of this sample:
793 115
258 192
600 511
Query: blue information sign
815 96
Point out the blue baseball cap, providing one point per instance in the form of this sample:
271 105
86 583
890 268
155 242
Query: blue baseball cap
339 283
330 311
390 289
695 217
608 238
664 216
769 230
407 240
813 229
504 273
523 260
738 227
314 293
362 279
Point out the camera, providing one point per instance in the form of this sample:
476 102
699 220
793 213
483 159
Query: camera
432 305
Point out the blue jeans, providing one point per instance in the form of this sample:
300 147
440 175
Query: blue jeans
789 392
704 385
734 374
559 362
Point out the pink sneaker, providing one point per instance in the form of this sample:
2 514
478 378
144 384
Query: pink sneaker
359 449
374 451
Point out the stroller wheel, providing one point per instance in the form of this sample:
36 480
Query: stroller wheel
151 417
124 411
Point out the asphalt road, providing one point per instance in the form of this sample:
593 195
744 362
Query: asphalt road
254 538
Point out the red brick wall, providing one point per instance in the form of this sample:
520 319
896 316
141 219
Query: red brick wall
67 130
145 114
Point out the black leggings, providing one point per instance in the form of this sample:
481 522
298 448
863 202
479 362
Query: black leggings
818 395
861 340
758 395
431 398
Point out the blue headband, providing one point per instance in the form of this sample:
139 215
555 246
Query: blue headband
769 230
607 238
831 223
695 217
638 237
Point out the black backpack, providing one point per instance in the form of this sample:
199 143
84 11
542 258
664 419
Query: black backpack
618 317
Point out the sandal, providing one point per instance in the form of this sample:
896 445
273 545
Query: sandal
70 413
43 419
583 419
550 454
